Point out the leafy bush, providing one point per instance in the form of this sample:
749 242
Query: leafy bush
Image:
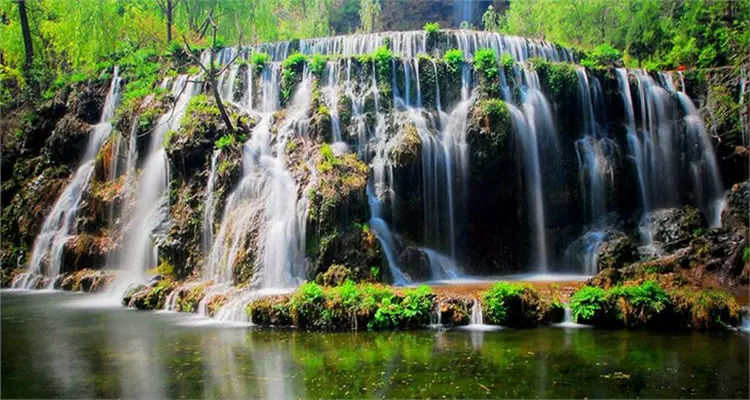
431 28
640 305
453 59
318 65
485 61
260 60
291 74
588 304
603 55
511 304
413 310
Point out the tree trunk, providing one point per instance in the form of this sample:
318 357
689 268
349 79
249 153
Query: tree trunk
222 110
169 21
26 34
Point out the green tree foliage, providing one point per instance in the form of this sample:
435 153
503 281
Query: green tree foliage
369 15
79 35
652 33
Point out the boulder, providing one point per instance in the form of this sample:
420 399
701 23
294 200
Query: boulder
673 228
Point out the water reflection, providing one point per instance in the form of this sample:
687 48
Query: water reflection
53 351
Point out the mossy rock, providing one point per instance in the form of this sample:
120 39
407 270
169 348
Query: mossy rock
511 304
617 253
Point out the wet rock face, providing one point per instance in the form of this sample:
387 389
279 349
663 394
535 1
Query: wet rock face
736 212
415 263
87 100
617 252
674 227
68 140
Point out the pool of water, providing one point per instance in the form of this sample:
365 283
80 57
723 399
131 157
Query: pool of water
54 345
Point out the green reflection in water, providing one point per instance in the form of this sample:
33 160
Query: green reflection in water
50 349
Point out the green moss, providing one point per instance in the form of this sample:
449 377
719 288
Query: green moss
485 63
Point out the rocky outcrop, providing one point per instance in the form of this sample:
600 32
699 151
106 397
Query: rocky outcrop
673 228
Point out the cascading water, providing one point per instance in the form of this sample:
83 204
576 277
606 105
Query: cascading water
266 199
662 152
210 205
151 211
535 131
60 224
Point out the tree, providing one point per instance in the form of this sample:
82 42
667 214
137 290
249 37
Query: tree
167 7
26 35
369 14
211 72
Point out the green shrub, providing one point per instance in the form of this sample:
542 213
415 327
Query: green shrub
603 55
485 61
329 159
588 304
224 141
453 59
413 310
431 28
640 305
260 60
291 74
318 65
306 304
511 304
745 254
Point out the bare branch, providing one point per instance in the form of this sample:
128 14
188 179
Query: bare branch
193 56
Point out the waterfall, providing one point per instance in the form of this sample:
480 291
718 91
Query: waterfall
476 317
535 133
595 152
381 183
568 322
265 201
662 152
151 213
60 223
704 169
210 205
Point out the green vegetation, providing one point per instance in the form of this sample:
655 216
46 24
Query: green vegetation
224 142
453 59
649 305
291 74
485 61
259 61
317 64
511 304
560 78
655 34
349 306
603 55
431 28
587 303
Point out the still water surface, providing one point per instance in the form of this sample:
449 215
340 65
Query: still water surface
54 345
